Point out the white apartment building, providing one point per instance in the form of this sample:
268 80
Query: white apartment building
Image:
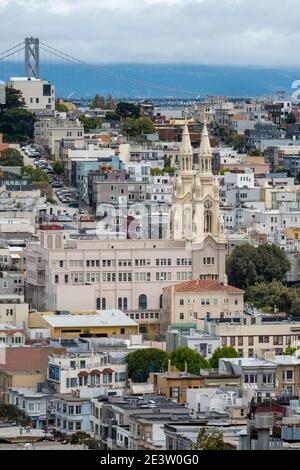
256 335
212 400
39 95
239 180
85 371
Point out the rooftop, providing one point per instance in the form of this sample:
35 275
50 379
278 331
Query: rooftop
206 286
100 318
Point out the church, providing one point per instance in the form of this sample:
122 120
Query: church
69 272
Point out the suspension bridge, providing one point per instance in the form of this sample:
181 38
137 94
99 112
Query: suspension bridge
74 77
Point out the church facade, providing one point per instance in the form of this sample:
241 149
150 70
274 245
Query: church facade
73 273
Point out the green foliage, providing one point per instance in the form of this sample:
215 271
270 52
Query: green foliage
185 356
78 438
168 168
281 169
238 142
58 167
136 128
141 363
90 124
17 125
275 295
156 172
14 99
220 353
290 119
248 265
255 153
36 174
127 110
290 351
98 102
213 441
61 107
11 157
11 413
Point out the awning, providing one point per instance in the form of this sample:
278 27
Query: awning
83 373
107 371
95 372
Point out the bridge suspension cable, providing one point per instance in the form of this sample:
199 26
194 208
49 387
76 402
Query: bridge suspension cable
116 76
12 53
12 48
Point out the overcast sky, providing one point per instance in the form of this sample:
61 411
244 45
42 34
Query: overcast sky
219 32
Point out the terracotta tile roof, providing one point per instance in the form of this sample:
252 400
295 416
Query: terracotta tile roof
206 286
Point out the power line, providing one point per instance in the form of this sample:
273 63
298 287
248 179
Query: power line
113 75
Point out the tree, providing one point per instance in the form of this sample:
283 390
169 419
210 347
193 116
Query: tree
275 295
14 99
127 110
290 119
90 124
220 353
142 363
290 351
11 413
11 157
61 107
238 142
98 102
211 441
156 172
248 265
255 153
17 125
137 128
110 103
58 167
272 262
182 357
241 266
36 174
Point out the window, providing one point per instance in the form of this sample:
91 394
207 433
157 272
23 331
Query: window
78 425
181 302
181 316
161 301
250 340
207 222
240 341
278 340
232 340
224 341
143 302
263 339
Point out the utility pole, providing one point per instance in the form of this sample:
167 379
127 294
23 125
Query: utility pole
32 57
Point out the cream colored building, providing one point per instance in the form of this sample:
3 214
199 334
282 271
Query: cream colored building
13 311
67 273
192 301
258 336
39 95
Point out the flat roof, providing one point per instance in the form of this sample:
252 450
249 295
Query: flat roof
101 318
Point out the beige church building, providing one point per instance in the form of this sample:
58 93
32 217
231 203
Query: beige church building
67 272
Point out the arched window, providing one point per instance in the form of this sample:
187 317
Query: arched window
125 303
143 302
161 301
120 303
207 222
103 303
98 303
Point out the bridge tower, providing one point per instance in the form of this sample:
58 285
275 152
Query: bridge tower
32 57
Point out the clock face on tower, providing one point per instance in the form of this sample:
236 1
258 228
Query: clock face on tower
208 205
